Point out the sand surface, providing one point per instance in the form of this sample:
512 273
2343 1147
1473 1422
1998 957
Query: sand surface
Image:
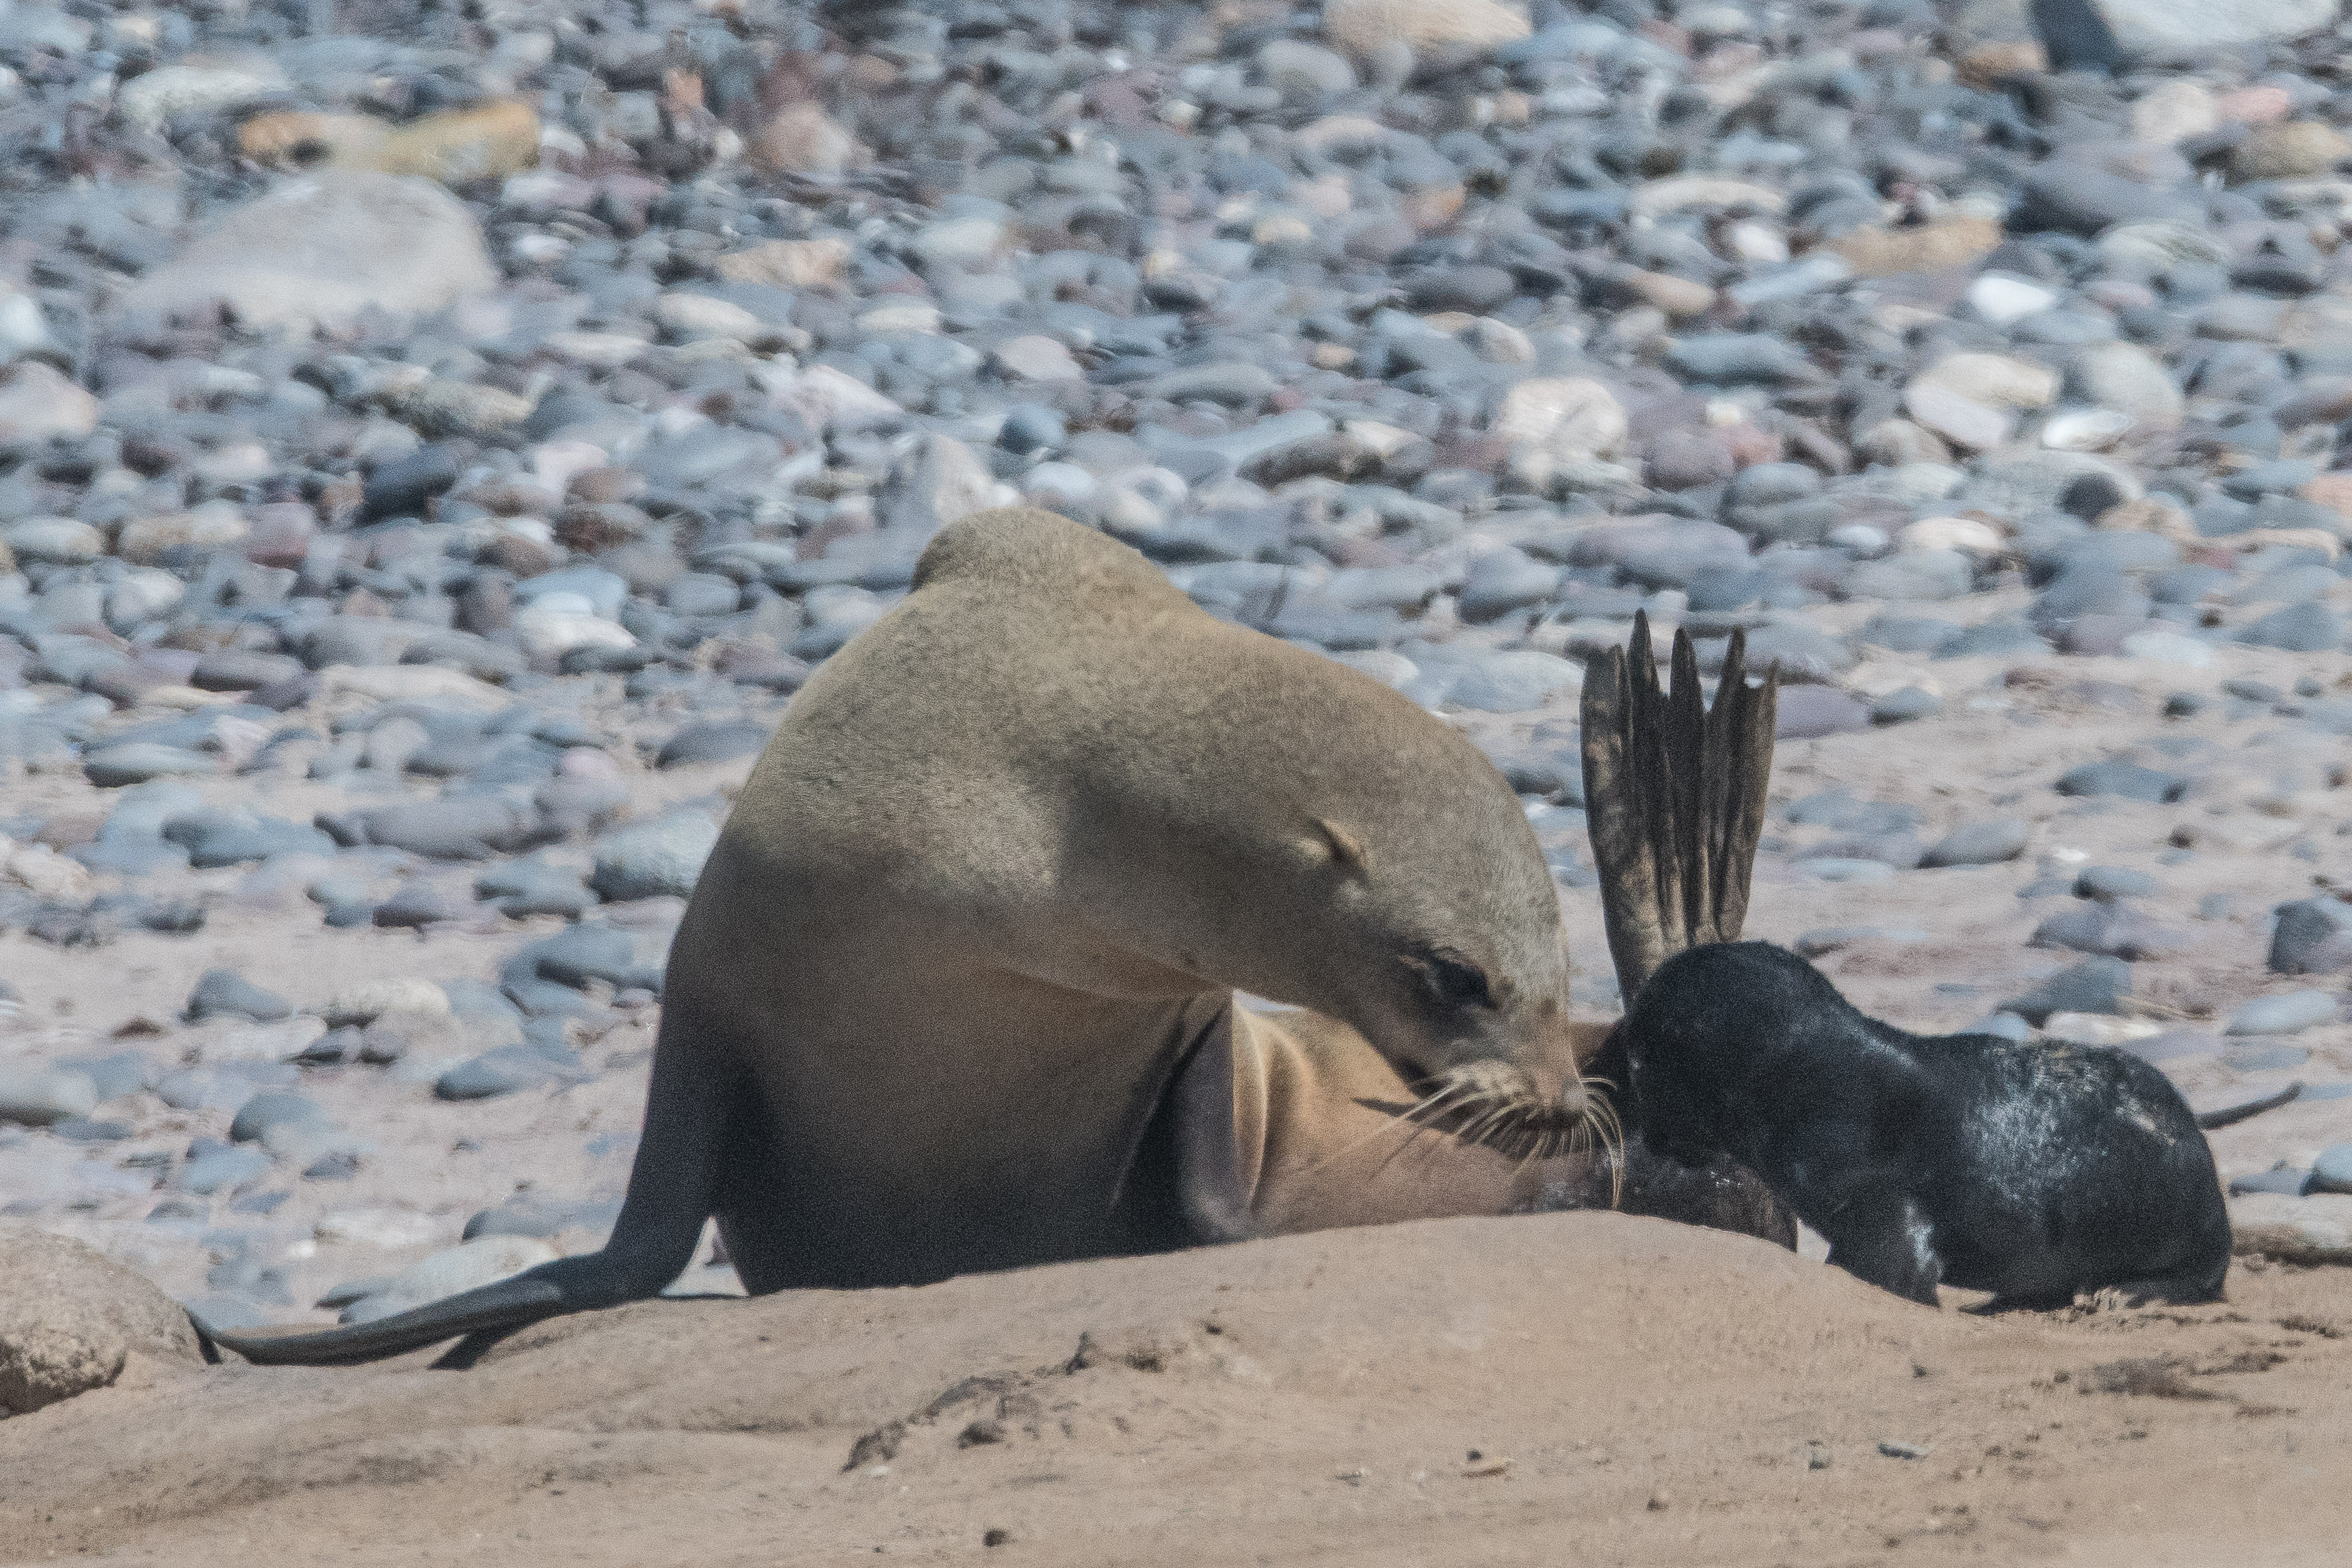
1567 1388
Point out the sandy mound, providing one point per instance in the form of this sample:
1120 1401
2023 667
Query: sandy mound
1487 1391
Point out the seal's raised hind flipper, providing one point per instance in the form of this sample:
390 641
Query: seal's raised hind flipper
1673 795
1674 800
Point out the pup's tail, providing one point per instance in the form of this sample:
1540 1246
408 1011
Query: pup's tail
1673 796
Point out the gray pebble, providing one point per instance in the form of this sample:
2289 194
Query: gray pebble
223 993
2332 1171
653 859
2093 986
273 1108
33 1095
213 1167
1905 705
2110 882
2126 780
415 904
502 1071
1981 843
1809 713
2312 937
2289 1013
719 740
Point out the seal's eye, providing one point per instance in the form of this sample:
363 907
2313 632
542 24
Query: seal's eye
1456 983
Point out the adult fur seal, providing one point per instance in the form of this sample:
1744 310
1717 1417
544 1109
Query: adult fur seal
990 889
2031 1171
956 990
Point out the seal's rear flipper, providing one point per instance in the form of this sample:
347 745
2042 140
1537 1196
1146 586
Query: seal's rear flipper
687 1108
539 1292
1674 797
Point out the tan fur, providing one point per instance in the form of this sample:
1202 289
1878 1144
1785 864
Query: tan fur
956 990
1288 1121
1004 865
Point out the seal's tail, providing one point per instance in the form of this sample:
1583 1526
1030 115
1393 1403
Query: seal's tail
1673 795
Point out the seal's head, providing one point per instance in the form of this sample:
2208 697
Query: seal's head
1713 1030
1414 904
1235 811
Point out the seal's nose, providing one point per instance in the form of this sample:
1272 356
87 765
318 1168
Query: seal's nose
1559 1083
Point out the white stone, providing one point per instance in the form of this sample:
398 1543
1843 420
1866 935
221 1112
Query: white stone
38 404
2084 429
549 628
2173 112
23 328
370 1000
1370 27
599 350
1997 381
2196 26
323 249
2002 299
2313 1229
1969 534
1655 198
2130 379
2169 648
43 871
237 1039
389 1229
195 87
411 682
2098 1028
689 316
1955 418
55 542
1036 358
829 399
974 243
1569 418
908 316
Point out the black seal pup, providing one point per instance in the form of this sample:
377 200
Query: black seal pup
2033 1171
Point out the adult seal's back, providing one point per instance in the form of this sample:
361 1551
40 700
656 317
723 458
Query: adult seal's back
987 898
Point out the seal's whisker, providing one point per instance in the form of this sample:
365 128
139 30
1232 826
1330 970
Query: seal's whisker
1477 1133
1413 1117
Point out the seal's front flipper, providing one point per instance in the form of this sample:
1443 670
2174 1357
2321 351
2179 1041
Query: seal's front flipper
1880 1235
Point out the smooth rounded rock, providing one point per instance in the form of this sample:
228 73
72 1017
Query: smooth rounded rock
270 1109
654 859
223 993
321 251
1810 712
1981 843
72 1319
719 740
2291 1012
33 1095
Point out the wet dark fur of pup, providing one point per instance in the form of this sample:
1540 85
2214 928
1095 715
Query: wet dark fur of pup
2033 1171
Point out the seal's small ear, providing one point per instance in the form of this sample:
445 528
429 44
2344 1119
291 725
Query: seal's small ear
1340 844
